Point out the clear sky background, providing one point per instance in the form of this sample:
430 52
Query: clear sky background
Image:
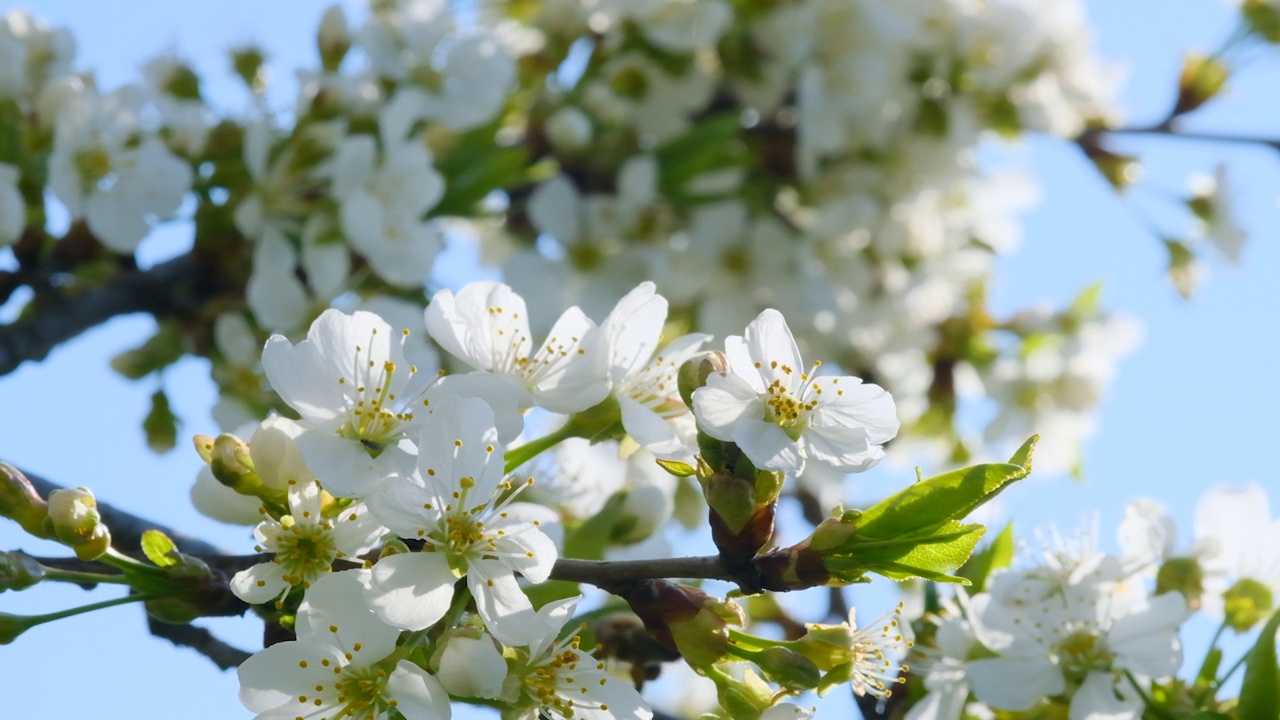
1194 405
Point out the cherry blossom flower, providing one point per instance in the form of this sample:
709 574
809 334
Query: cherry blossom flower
1078 638
486 325
644 379
780 415
304 544
556 679
361 401
343 664
461 508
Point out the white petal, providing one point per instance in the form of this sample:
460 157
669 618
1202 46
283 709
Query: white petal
632 331
275 677
532 553
411 590
553 209
337 601
506 610
770 343
1096 700
472 667
346 468
399 503
418 696
722 402
1014 683
259 584
768 447
459 440
653 432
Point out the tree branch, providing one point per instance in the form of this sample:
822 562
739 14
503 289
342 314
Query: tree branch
169 286
606 573
202 641
1170 130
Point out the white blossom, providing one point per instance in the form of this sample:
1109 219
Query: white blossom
303 545
461 508
780 414
341 665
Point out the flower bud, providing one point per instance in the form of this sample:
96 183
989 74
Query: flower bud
1263 18
569 129
73 519
19 571
1246 604
1202 79
333 38
233 465
835 531
694 372
11 626
685 619
1182 575
246 62
20 502
788 668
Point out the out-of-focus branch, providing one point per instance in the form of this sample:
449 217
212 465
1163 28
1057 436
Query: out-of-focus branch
1171 131
168 287
202 641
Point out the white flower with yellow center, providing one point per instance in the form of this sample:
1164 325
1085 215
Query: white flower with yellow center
867 658
460 507
361 401
556 679
344 664
780 414
486 325
644 379
303 545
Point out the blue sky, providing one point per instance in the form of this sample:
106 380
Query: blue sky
1194 405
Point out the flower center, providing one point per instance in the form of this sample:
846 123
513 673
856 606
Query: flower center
357 693
305 550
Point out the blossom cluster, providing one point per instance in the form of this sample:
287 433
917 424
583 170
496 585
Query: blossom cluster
1099 635
399 477
854 206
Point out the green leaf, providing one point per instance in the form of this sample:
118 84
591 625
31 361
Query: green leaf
950 496
932 557
160 424
159 549
1260 692
677 468
707 146
161 350
474 166
998 554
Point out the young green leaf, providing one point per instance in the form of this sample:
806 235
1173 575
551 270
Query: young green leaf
159 549
1260 692
998 554
950 496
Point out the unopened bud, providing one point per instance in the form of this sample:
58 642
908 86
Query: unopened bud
20 502
1202 79
703 638
1182 575
788 668
694 372
1246 604
333 38
1263 18
11 626
74 520
19 571
233 465
834 532
246 62
569 129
